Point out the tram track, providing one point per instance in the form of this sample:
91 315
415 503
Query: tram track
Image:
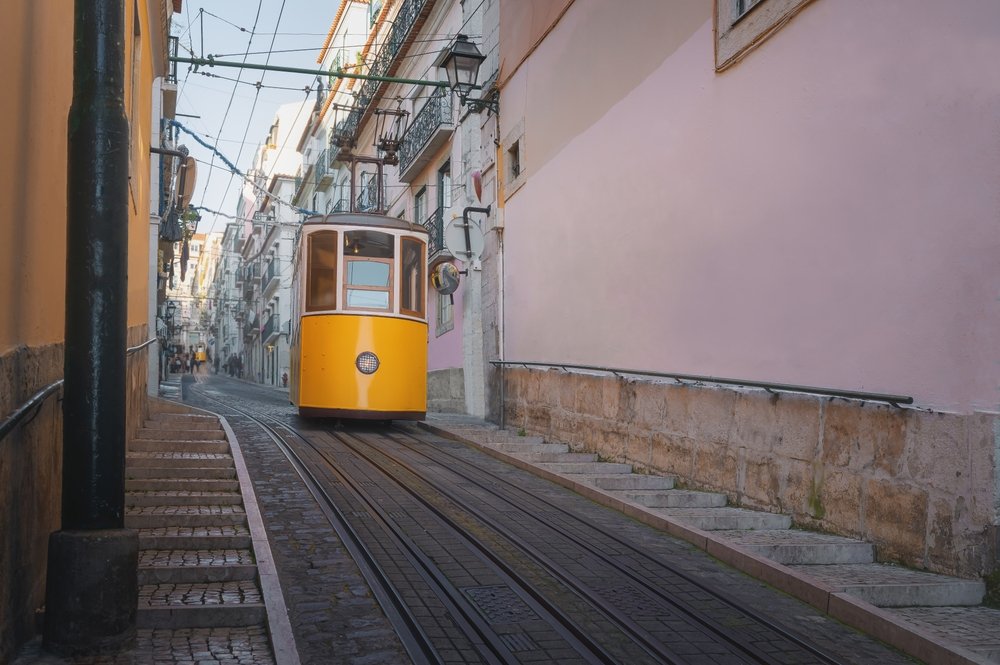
491 647
717 628
376 452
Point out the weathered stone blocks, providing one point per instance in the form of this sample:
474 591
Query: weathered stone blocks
922 485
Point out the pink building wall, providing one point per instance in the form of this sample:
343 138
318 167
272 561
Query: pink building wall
444 351
826 212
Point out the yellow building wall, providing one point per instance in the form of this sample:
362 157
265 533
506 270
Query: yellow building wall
37 84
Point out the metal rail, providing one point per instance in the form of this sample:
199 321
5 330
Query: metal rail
894 400
35 401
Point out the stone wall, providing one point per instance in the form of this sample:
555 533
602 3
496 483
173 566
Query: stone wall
31 477
922 486
446 391
30 489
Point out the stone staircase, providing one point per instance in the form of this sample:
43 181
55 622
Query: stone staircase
818 568
197 567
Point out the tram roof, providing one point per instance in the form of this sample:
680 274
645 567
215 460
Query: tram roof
364 219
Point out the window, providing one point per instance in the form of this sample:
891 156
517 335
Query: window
368 274
412 285
514 160
420 206
321 289
444 187
742 25
445 314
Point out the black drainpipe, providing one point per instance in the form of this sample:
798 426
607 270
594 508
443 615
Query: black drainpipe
91 591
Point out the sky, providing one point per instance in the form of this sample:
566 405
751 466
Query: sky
234 108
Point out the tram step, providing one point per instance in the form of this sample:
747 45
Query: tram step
517 448
178 434
169 446
209 605
182 483
726 518
676 498
556 457
147 517
181 498
796 547
178 459
631 481
885 585
173 474
589 468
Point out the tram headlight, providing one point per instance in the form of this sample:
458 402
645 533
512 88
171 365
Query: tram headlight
367 362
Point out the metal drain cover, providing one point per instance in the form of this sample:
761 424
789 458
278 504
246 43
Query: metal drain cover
499 604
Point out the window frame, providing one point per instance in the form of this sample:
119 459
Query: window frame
308 301
738 34
388 289
419 282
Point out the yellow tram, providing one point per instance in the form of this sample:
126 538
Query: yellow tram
359 338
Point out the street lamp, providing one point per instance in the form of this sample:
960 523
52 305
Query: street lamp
461 64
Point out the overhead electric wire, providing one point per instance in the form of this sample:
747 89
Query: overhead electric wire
232 95
253 107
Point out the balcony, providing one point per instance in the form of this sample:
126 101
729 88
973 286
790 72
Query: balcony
436 251
271 329
322 171
407 22
271 277
367 200
431 128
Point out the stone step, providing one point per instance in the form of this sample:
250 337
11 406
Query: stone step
173 474
501 436
727 518
180 484
177 460
182 498
796 547
194 420
201 423
195 566
169 446
885 585
207 537
976 629
676 498
148 517
208 605
589 468
556 457
175 434
517 447
631 481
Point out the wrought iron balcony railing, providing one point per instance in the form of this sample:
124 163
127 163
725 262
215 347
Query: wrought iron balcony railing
432 118
270 328
270 273
401 26
435 232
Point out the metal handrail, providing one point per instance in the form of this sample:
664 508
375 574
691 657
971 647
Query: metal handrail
14 419
132 349
34 401
894 400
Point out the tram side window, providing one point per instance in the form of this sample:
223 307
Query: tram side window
412 277
321 293
368 262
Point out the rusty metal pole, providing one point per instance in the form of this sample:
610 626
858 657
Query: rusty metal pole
92 591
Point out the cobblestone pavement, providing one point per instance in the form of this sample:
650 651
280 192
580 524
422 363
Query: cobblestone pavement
333 614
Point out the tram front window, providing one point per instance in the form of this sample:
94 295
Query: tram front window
368 284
